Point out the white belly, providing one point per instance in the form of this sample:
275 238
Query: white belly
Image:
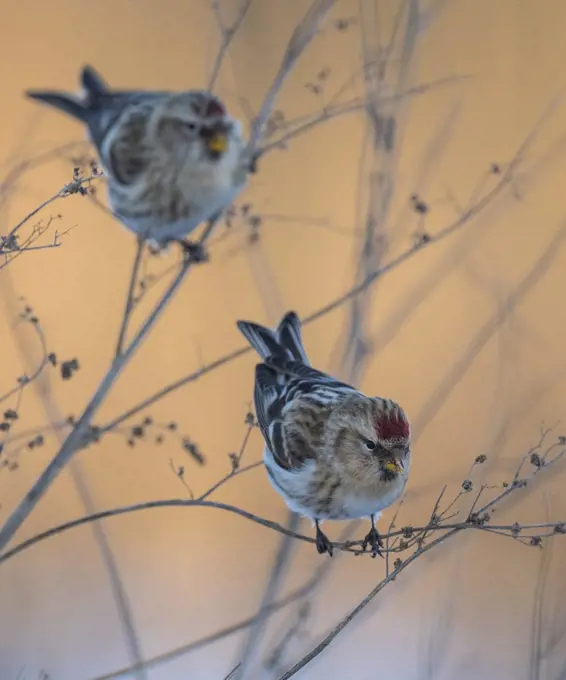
354 506
206 188
296 488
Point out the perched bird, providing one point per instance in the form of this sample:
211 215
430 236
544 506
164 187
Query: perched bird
173 159
330 451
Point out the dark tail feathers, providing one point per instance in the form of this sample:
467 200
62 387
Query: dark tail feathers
285 341
76 106
94 85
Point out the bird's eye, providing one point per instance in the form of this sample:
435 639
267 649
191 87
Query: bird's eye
191 126
370 445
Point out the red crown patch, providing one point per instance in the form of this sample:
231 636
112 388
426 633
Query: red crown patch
393 425
207 106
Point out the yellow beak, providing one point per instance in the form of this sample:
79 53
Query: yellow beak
218 143
392 466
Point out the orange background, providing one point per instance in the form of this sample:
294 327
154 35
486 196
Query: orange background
467 610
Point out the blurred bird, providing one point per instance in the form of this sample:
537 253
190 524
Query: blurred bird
331 451
173 160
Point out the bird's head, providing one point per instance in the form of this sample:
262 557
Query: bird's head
372 438
196 124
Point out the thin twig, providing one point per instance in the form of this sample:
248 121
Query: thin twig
130 296
227 37
178 473
252 644
27 379
362 605
42 388
235 471
329 113
388 539
229 476
306 603
486 331
472 211
410 252
511 531
68 190
400 566
299 41
78 438
301 592
234 672
348 546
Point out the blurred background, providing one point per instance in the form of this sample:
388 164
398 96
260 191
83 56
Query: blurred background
467 334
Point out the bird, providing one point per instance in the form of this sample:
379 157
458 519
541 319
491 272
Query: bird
330 451
173 160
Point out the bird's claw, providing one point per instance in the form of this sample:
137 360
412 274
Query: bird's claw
323 544
194 252
373 539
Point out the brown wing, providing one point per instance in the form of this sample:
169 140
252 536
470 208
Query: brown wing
129 153
290 439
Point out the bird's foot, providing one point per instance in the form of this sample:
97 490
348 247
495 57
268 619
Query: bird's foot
323 544
194 252
373 539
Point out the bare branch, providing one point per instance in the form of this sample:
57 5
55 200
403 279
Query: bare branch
303 591
25 380
299 41
305 605
228 33
77 186
460 222
529 534
130 296
417 535
235 460
250 651
472 211
451 530
307 123
79 437
363 604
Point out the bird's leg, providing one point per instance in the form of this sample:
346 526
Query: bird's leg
373 539
212 222
322 543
